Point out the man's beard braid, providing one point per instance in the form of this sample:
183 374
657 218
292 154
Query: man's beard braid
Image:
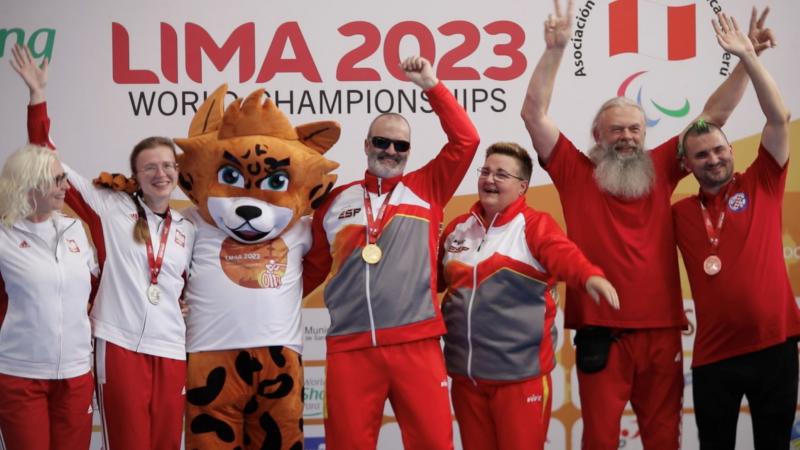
626 176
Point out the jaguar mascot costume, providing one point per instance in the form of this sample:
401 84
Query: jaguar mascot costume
253 179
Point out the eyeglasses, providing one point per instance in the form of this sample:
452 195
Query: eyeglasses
59 179
501 175
167 167
384 143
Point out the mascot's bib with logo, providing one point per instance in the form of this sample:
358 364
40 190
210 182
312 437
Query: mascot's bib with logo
252 178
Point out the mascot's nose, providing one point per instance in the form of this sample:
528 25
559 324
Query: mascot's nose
248 212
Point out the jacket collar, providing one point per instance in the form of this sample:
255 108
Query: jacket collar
176 216
504 216
714 199
58 219
380 186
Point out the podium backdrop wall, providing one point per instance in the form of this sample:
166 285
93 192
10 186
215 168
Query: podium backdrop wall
121 71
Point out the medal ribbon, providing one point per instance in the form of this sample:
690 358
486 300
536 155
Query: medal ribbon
712 231
374 226
156 262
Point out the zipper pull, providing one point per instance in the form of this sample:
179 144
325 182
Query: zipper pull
485 229
59 234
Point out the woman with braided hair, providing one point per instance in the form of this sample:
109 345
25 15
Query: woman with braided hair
144 249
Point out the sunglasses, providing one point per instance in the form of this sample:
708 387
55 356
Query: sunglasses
384 143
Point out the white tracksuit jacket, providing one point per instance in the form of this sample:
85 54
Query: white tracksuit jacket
44 294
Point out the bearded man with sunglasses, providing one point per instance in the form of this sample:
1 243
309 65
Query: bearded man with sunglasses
379 236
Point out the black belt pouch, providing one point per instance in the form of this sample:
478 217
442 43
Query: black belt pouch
591 348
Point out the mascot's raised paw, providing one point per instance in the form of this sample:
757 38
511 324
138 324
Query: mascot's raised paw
116 182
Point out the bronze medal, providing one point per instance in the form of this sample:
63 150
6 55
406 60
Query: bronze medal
712 265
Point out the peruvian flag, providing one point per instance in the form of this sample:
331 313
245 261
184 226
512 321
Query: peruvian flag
652 29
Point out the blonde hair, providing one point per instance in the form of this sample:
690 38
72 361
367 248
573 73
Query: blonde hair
27 169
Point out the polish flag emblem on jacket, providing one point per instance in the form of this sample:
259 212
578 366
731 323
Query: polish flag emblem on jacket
180 238
73 246
653 29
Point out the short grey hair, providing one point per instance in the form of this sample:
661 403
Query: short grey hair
387 115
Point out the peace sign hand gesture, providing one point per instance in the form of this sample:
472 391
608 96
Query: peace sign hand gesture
557 27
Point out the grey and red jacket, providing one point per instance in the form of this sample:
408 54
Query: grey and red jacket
393 301
498 306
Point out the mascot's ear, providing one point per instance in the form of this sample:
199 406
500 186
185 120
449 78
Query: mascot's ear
319 136
209 117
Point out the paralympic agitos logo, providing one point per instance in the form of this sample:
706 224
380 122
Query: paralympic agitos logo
657 31
623 91
654 30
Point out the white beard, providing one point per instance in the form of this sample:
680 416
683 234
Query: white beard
626 176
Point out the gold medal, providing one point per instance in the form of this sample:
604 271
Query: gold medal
154 294
371 253
712 265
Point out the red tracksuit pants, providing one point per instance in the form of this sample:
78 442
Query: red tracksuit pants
141 398
498 416
411 375
45 414
645 367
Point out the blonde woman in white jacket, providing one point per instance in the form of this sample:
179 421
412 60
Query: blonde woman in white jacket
46 268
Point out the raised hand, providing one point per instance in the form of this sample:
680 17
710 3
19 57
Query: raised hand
598 287
558 26
34 75
419 71
762 38
730 37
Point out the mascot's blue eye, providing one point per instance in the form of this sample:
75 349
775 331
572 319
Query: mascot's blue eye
276 181
231 176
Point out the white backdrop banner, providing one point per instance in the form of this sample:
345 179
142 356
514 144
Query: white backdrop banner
121 71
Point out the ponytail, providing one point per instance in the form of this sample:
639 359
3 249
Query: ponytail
141 232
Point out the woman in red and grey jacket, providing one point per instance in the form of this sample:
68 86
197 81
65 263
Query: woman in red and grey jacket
46 269
144 249
499 263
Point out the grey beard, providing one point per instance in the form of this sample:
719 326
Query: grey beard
375 167
628 178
